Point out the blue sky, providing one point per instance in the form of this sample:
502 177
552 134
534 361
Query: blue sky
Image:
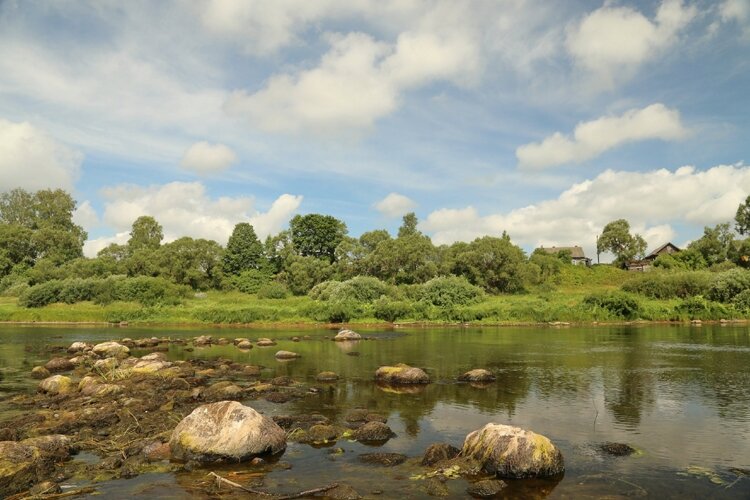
544 119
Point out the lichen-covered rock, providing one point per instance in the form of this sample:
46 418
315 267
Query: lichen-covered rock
401 374
321 433
327 377
18 467
373 432
226 430
346 335
56 384
39 372
486 488
55 446
438 452
150 366
111 350
59 365
287 355
77 347
513 452
244 344
223 390
90 386
477 375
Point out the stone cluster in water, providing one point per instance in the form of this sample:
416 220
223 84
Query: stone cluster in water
149 414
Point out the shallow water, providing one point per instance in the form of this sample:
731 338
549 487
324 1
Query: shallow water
680 395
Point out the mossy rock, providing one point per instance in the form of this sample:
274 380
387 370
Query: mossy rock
401 374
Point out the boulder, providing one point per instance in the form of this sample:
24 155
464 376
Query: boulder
77 347
106 364
59 365
244 344
18 467
327 377
90 386
149 366
401 374
262 342
226 430
438 452
223 390
513 452
39 372
322 433
477 375
111 350
359 415
203 340
240 339
487 488
56 384
617 449
56 446
345 335
287 355
373 432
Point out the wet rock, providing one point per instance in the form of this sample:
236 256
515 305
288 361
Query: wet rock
45 488
240 339
401 374
341 492
263 342
321 433
223 341
105 365
384 459
226 430
363 415
477 375
373 432
18 466
282 381
304 422
154 356
56 384
617 449
287 355
513 452
251 371
223 390
77 347
111 350
156 451
327 377
79 360
91 386
438 452
39 372
245 344
295 339
203 340
146 343
59 365
56 446
347 335
278 397
486 489
436 487
150 366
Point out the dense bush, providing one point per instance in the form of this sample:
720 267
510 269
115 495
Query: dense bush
273 290
241 315
15 290
364 289
42 294
391 310
728 284
700 308
334 311
76 290
617 304
250 281
669 285
741 301
449 291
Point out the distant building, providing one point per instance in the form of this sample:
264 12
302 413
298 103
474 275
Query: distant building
648 261
577 256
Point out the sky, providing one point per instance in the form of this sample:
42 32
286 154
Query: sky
543 119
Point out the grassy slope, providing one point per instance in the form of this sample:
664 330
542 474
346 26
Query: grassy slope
563 303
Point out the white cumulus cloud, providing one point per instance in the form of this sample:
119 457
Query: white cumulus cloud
592 138
32 160
357 81
395 205
612 42
205 158
651 201
186 209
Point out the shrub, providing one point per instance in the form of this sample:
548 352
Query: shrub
41 295
76 290
250 281
668 285
335 311
15 290
449 291
728 284
741 301
364 289
273 290
324 290
700 308
617 304
391 310
149 291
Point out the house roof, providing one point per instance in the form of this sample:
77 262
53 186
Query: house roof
576 252
656 252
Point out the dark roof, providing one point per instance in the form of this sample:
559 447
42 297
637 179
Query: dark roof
576 252
658 251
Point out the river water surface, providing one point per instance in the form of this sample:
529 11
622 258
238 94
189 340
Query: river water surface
679 395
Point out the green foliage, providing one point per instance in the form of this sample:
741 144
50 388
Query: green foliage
494 264
273 290
244 250
742 217
146 234
392 310
303 273
41 295
617 304
365 289
406 260
715 243
728 284
409 226
142 289
739 253
700 308
76 290
316 235
741 301
192 262
450 291
670 285
616 238
250 281
335 311
549 265
14 290
689 259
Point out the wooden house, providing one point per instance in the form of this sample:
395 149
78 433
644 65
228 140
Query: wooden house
577 256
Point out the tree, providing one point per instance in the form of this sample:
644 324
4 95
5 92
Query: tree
409 225
715 243
193 262
316 235
495 264
303 273
742 218
616 238
244 250
146 234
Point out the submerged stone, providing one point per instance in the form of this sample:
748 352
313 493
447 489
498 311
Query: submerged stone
477 375
401 374
373 432
513 452
617 449
438 452
384 459
327 377
486 488
287 355
226 430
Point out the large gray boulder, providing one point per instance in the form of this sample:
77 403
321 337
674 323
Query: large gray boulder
345 335
513 452
226 430
111 350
